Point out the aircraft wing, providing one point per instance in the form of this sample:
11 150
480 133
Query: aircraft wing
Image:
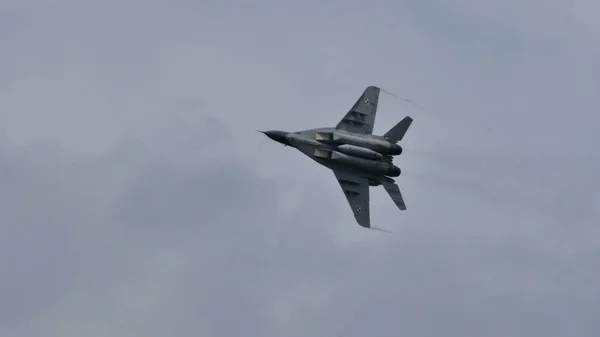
356 189
361 118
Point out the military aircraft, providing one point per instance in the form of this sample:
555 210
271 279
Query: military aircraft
358 158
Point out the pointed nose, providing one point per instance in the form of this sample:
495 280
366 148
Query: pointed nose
278 136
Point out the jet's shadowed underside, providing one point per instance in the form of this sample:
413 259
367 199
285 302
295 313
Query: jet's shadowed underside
357 158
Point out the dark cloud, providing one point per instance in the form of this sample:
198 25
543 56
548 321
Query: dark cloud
201 250
136 199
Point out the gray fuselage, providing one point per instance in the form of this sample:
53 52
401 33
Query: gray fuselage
368 154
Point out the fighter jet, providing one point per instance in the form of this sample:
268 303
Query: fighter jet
358 158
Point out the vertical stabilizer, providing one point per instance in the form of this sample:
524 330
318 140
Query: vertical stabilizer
399 130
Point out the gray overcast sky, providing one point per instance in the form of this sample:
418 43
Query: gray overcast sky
136 199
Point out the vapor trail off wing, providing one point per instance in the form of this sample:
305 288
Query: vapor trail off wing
361 118
356 189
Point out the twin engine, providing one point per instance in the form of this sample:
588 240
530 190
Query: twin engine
376 166
367 153
380 146
358 151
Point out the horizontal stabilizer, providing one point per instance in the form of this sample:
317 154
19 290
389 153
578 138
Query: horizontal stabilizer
399 130
394 192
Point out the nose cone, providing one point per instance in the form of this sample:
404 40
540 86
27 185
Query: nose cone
278 136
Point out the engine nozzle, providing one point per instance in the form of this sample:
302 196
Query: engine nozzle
395 150
394 171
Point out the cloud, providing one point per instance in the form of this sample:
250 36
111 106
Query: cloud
138 200
195 250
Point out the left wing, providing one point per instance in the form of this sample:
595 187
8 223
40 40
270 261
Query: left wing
356 189
361 118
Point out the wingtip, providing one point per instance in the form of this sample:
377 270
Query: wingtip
381 230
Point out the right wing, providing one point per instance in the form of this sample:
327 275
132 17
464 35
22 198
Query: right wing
361 117
356 189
